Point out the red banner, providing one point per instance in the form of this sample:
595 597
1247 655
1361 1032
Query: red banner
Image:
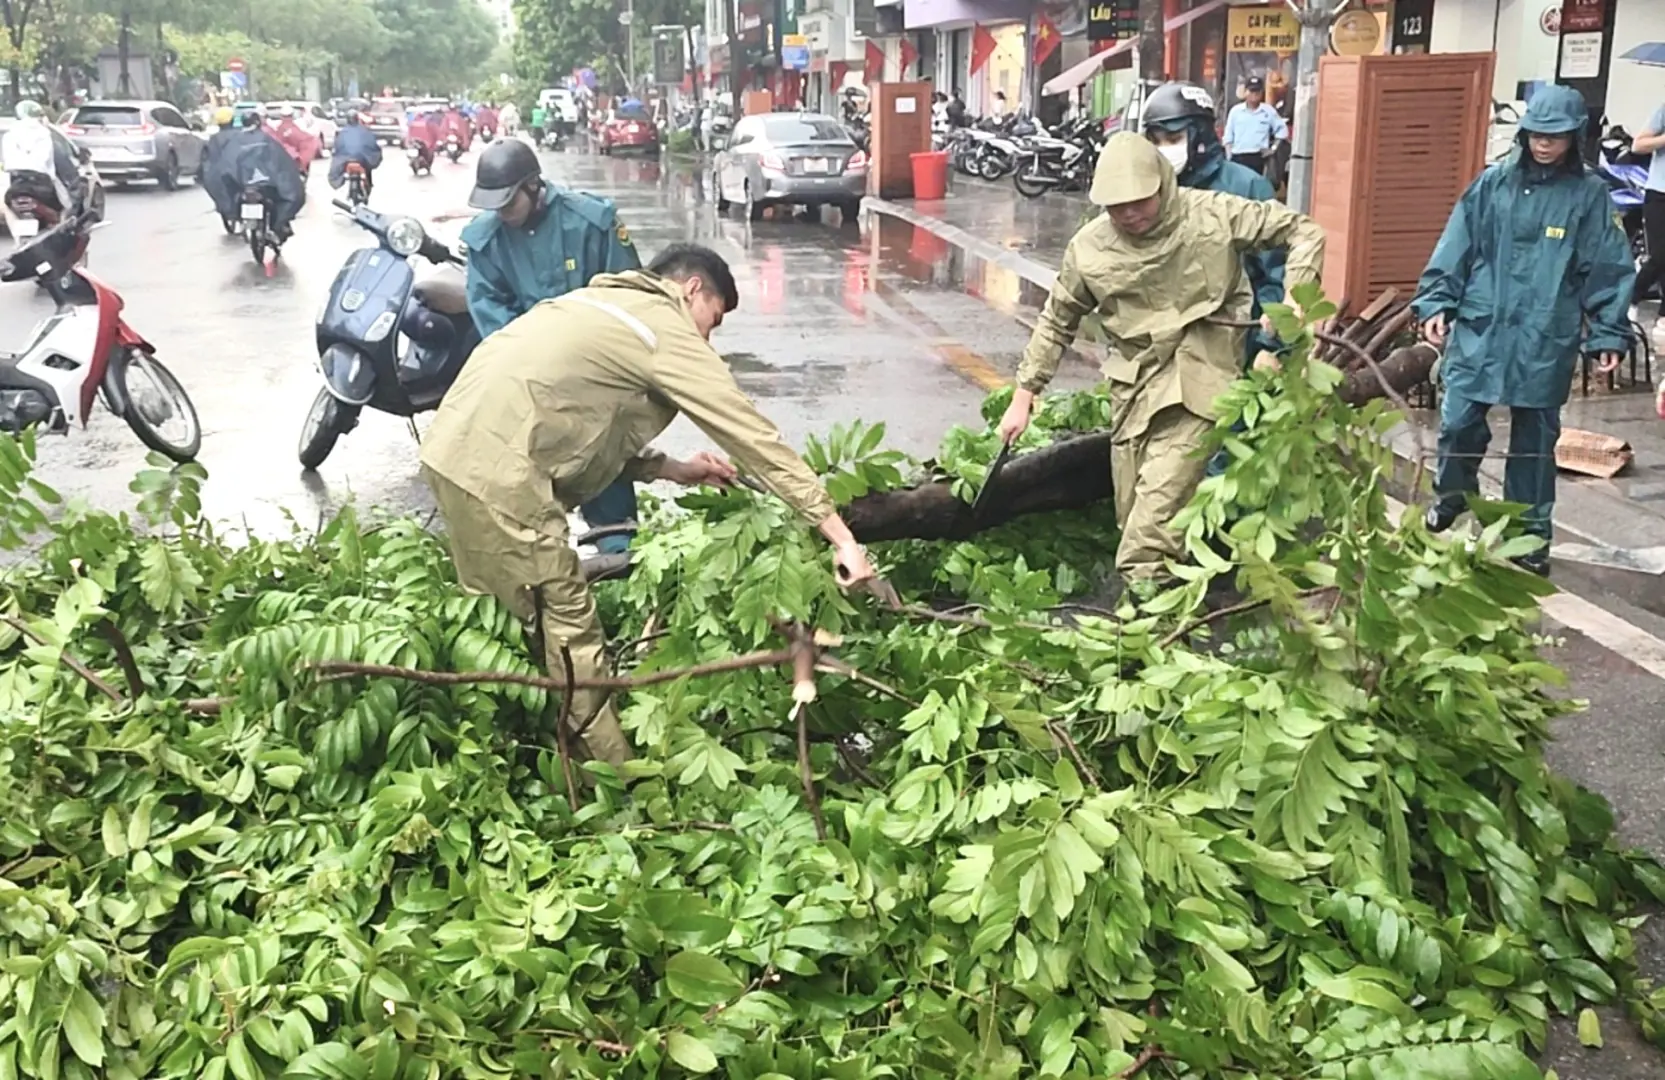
1047 39
982 47
835 74
909 55
875 63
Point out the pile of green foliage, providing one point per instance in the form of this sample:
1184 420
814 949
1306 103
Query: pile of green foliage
1313 839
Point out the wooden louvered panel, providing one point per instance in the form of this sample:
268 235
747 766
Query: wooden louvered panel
1399 138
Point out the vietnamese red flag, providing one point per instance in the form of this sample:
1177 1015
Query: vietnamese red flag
875 63
909 55
1047 39
982 47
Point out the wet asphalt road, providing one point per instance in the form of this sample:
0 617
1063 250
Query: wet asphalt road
836 323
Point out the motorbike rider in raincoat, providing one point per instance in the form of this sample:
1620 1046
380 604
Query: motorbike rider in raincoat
303 145
1530 254
535 241
454 122
1159 266
40 162
355 142
422 135
252 156
563 403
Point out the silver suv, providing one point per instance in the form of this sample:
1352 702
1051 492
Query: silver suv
138 140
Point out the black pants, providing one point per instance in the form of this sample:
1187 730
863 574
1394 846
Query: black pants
1257 162
1653 226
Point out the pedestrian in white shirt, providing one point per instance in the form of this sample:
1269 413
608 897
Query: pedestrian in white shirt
1253 127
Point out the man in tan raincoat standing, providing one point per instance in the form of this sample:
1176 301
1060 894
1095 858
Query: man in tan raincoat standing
1158 266
562 402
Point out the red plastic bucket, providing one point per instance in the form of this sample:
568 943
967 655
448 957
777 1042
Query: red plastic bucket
930 174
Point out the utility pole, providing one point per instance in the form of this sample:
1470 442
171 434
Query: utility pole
1153 43
629 21
1316 18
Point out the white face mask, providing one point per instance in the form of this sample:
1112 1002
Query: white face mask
1178 154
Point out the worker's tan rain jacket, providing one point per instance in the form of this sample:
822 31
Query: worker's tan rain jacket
565 399
1156 292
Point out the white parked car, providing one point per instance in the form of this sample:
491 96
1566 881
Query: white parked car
309 115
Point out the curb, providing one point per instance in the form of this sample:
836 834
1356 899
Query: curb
1627 538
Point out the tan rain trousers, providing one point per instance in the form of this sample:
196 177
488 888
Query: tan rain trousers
535 571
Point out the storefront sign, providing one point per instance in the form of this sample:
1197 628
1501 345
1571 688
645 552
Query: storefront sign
1550 21
1262 29
1413 22
1112 20
794 51
1582 16
815 31
1581 55
1357 33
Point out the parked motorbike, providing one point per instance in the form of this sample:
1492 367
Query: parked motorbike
421 157
85 349
375 304
256 218
453 148
1626 175
1054 163
358 184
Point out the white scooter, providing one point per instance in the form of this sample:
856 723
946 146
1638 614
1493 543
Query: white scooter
85 349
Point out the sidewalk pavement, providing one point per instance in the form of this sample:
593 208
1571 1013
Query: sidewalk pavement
1617 523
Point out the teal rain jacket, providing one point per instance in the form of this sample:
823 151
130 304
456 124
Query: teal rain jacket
570 240
1211 170
1527 256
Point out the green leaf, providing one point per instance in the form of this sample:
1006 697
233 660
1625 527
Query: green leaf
1589 1029
690 1053
241 1060
115 838
84 1026
701 979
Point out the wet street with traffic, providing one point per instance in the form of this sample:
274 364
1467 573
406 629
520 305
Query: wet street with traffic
837 322
877 320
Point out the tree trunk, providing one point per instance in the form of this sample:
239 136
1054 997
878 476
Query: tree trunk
1067 475
1153 41
124 81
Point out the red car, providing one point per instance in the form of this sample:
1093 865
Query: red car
630 128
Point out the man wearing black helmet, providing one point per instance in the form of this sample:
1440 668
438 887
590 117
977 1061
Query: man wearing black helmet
1179 118
535 241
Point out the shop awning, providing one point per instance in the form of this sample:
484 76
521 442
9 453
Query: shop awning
1651 53
1073 77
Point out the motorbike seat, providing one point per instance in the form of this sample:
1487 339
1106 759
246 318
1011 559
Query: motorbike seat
444 292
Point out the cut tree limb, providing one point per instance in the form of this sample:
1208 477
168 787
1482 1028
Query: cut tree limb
1067 475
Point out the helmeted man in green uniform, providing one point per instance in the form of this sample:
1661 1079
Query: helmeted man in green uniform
533 242
1159 267
562 403
1530 254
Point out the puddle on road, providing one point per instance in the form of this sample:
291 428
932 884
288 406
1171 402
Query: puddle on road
924 257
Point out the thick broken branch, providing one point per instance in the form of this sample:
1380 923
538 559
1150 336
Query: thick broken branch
1071 474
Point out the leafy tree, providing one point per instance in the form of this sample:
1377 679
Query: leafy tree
554 39
16 51
1312 835
434 45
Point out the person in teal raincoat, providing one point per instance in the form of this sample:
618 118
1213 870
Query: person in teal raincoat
1530 254
533 242
1179 119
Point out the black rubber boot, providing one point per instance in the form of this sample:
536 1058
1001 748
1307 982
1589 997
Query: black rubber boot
1535 563
1441 517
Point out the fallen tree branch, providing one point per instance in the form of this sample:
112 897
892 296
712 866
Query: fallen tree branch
543 682
562 736
92 678
124 656
1234 609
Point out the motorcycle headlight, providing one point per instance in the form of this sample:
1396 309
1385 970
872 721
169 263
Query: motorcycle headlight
405 236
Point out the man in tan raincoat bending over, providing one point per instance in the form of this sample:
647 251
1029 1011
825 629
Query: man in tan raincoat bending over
562 402
1158 266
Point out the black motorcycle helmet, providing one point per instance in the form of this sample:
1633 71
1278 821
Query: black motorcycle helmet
1177 107
504 168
